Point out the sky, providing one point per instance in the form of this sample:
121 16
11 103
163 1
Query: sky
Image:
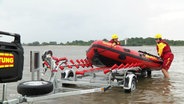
68 20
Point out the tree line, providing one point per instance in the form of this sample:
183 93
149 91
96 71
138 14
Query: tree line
129 42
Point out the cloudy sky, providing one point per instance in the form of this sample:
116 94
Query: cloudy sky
67 20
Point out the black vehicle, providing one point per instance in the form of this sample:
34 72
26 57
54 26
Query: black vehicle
11 58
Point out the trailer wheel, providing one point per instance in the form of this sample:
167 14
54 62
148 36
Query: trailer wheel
67 74
149 73
133 86
33 88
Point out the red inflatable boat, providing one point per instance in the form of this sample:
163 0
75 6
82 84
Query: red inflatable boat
103 53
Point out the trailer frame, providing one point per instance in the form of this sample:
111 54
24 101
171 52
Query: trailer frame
115 78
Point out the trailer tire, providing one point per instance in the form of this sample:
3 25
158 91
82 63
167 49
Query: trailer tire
149 73
34 88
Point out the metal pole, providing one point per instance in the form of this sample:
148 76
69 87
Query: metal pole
35 64
4 95
31 66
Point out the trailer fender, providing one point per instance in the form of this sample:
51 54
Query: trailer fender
130 82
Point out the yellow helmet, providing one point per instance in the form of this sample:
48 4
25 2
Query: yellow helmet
114 36
158 36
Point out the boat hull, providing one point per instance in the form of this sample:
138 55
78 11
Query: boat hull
103 53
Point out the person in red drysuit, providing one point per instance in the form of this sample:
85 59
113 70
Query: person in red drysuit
164 51
114 40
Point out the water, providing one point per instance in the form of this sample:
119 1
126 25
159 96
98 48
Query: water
154 90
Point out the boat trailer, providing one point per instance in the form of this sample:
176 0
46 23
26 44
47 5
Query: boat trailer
56 77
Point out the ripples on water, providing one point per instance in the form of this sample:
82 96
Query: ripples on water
154 90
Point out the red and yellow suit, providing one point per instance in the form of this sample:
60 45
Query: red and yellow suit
114 42
164 51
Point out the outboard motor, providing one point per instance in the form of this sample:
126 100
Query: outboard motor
11 58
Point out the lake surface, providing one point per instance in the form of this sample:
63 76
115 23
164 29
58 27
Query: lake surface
154 90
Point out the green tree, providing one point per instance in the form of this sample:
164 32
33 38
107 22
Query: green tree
52 43
45 43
